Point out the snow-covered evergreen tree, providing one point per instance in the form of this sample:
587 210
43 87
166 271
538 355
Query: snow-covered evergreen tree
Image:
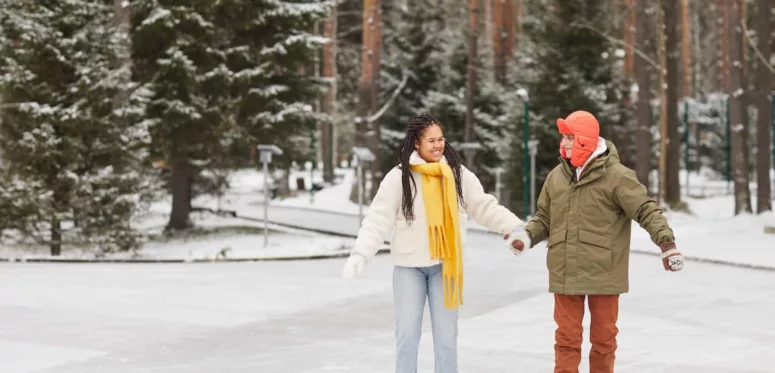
176 56
71 176
269 49
225 76
709 143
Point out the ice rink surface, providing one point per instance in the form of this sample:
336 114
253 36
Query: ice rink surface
300 316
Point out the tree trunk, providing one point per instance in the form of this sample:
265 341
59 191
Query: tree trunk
56 237
369 88
643 109
629 39
736 108
364 90
686 42
661 52
762 84
498 39
520 19
122 18
180 180
698 18
490 24
714 22
473 32
281 181
745 98
329 101
510 41
673 159
724 24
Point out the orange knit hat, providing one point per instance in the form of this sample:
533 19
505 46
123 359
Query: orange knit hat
585 129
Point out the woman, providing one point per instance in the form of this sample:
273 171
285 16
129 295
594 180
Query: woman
426 246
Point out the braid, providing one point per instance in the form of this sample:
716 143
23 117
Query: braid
414 131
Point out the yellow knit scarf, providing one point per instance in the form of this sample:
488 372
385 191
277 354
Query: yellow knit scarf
440 197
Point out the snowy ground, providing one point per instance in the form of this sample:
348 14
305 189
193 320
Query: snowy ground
299 316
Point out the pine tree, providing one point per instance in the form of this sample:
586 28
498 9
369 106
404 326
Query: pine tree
175 57
266 44
226 77
68 151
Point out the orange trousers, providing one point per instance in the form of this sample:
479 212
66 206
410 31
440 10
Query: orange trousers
568 314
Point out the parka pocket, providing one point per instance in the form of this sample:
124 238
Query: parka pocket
598 251
555 255
406 237
556 237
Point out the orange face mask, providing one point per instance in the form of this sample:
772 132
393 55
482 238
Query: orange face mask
586 130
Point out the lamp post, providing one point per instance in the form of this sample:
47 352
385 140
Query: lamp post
266 152
533 149
729 149
361 155
468 148
313 162
498 184
525 138
686 143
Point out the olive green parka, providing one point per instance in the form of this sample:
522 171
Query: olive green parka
587 223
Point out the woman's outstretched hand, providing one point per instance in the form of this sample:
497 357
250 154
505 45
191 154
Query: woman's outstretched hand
518 240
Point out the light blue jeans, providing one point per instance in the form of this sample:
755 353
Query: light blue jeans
411 286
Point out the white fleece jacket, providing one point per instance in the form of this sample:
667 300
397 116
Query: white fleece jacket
409 242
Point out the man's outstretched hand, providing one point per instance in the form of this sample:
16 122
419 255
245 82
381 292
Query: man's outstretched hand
672 260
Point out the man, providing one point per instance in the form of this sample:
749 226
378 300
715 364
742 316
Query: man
584 210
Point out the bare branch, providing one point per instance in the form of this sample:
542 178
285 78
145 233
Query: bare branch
392 98
755 48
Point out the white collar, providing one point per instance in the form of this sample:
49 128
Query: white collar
415 159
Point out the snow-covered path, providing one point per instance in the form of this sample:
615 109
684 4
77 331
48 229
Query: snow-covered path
301 317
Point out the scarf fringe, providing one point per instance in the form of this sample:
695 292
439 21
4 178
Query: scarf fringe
453 291
439 245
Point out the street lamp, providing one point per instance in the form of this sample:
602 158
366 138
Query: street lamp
313 162
498 185
361 155
533 149
265 157
467 147
525 136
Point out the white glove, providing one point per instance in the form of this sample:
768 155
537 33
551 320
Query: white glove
518 234
354 266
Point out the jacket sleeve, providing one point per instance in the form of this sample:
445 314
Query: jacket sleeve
484 208
379 221
538 227
633 199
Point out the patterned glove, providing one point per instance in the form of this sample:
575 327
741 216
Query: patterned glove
672 259
518 240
